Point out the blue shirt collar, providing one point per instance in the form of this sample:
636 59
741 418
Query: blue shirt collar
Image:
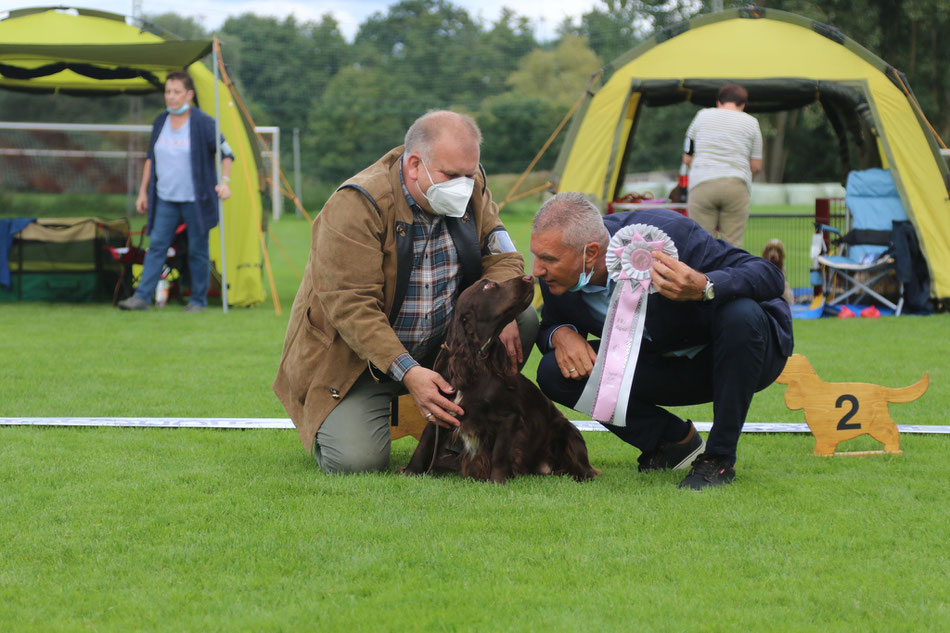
595 289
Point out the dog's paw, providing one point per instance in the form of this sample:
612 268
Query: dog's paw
587 475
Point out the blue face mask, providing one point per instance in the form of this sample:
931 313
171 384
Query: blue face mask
181 110
585 275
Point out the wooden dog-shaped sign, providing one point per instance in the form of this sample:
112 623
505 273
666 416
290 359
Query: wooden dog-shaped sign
839 411
407 420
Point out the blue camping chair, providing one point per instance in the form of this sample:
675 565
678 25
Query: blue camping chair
861 258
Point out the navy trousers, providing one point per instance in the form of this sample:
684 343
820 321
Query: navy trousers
742 358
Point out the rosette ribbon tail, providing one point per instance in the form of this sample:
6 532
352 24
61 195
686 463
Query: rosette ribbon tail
608 389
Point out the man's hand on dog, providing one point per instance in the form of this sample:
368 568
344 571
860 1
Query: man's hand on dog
675 280
510 338
427 387
575 357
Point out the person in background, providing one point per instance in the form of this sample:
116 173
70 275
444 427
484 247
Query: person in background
391 250
717 330
180 184
723 150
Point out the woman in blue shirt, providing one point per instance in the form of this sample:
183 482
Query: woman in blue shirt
179 184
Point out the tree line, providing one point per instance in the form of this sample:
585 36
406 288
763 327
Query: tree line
353 100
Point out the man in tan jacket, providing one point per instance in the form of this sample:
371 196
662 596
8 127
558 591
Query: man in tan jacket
391 251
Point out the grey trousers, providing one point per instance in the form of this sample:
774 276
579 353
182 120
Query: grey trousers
354 438
724 204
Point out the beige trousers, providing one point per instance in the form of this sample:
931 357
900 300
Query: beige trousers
721 204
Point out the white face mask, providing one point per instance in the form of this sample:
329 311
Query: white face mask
449 198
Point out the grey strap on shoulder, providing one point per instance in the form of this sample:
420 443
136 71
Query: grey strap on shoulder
365 193
403 254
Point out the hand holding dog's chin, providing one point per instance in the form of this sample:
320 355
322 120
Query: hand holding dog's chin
427 387
510 338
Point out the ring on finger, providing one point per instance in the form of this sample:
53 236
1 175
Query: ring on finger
428 416
571 370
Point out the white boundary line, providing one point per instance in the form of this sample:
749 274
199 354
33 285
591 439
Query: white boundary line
285 423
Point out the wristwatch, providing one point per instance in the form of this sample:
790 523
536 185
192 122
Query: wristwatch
708 292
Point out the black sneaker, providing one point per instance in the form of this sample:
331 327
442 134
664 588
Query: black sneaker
709 470
673 455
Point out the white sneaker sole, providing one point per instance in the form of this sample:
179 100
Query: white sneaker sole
689 459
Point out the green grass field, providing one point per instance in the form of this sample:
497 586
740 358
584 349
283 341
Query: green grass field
112 529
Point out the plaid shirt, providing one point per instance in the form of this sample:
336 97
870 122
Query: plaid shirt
433 286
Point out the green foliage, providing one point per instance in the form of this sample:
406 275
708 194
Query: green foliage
620 25
411 41
503 46
558 75
284 66
398 74
811 147
542 88
173 26
518 127
658 140
608 33
63 205
361 116
58 108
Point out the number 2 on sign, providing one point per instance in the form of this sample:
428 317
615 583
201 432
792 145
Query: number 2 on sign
843 422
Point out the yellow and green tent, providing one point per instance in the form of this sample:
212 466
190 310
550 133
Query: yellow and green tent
785 61
95 53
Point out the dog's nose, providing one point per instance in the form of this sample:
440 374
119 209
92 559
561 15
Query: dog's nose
528 278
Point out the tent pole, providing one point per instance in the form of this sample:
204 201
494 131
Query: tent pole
217 162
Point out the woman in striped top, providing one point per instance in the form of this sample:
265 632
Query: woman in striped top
723 150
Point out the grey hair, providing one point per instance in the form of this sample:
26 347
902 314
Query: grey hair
575 216
426 130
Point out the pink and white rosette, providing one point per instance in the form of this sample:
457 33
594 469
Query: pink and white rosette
629 261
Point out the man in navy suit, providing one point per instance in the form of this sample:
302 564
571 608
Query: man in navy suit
717 330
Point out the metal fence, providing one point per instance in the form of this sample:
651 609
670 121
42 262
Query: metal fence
796 232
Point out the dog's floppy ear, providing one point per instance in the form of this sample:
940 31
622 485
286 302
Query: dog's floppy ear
462 346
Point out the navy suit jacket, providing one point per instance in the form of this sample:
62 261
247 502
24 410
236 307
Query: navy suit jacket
674 325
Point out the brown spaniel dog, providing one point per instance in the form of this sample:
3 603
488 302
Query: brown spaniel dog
774 251
509 427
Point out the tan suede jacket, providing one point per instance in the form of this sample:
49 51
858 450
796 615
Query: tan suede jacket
339 324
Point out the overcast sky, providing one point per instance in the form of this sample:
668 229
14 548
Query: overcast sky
544 14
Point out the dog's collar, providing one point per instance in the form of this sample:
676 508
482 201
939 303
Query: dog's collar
481 350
